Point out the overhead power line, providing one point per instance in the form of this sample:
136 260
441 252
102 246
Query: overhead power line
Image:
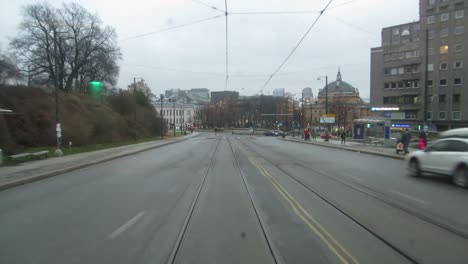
209 6
171 28
297 45
353 25
275 13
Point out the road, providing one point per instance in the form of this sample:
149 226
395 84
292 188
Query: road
236 199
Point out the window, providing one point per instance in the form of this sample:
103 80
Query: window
443 82
401 70
456 98
430 2
459 13
407 84
444 16
430 34
430 19
430 67
393 84
429 83
410 115
459 30
386 85
442 98
415 84
400 84
457 81
444 32
442 115
444 49
456 115
458 64
443 65
459 47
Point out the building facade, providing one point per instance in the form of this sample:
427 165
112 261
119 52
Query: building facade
223 96
397 73
339 98
179 114
279 92
420 67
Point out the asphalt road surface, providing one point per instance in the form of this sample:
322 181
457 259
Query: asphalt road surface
236 199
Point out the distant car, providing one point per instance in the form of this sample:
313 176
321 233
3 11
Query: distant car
446 156
274 133
330 136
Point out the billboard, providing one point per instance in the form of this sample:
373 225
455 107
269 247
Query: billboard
327 119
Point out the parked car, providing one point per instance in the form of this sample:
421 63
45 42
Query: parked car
274 133
446 156
330 136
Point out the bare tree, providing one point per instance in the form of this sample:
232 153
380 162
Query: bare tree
68 45
9 72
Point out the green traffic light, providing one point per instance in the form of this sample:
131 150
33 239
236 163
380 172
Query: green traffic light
95 88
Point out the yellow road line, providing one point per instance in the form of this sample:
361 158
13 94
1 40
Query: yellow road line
306 217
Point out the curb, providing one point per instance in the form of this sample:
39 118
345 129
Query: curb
51 174
392 156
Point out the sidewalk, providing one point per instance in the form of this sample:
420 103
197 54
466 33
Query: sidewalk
11 176
352 146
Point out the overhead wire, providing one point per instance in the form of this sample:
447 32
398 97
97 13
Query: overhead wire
297 45
171 28
352 25
209 6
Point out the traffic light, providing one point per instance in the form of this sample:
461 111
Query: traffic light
95 88
368 125
419 127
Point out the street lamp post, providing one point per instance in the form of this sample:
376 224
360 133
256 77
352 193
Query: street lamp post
135 104
162 116
173 116
326 103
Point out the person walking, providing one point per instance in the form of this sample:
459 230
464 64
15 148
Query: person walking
343 137
405 139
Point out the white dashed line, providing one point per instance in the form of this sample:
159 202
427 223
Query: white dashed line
126 226
409 197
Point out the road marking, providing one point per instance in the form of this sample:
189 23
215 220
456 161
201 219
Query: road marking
407 196
127 225
355 177
318 229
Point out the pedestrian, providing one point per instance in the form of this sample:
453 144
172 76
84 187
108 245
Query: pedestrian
314 135
423 135
405 139
421 143
343 137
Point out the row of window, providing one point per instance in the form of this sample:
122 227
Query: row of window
414 68
401 55
444 65
443 98
402 84
456 115
443 82
177 112
445 16
444 49
404 99
459 30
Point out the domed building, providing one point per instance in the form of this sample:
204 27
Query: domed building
343 101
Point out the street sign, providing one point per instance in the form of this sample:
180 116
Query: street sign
58 128
379 109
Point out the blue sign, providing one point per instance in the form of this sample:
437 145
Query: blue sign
401 125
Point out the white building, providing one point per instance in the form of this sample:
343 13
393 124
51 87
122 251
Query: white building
184 115
278 92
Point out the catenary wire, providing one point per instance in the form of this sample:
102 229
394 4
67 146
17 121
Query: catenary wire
297 45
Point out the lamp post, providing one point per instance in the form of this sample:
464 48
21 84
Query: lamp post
326 102
135 104
162 116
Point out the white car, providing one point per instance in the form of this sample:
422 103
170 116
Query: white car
447 156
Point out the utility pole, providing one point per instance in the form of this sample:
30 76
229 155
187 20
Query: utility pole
326 107
29 75
302 114
135 107
58 127
426 89
162 117
173 112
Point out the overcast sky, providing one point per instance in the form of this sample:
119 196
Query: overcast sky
194 56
